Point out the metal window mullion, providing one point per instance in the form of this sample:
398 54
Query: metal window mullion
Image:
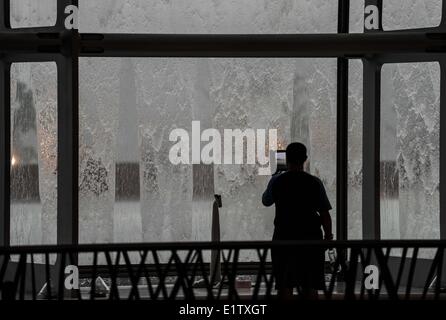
342 130
5 17
342 151
371 150
240 45
442 149
67 130
371 224
253 45
443 15
68 145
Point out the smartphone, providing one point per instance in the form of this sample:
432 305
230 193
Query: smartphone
280 161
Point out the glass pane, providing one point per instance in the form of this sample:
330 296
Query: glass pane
357 16
298 97
203 16
410 151
129 188
355 104
34 153
32 13
411 14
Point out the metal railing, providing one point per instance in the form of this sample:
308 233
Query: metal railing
178 271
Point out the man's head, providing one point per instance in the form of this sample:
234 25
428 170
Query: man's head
296 155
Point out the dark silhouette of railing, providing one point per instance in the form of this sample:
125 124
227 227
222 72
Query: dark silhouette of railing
170 271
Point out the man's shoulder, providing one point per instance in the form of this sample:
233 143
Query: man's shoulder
277 177
301 175
316 181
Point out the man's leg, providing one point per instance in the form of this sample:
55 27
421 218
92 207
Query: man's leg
285 293
309 294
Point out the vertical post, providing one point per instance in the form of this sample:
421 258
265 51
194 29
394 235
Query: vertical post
442 27
5 16
67 143
443 149
67 132
371 150
342 130
68 147
371 133
443 15
442 204
215 274
5 134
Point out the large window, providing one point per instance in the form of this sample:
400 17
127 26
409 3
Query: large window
88 116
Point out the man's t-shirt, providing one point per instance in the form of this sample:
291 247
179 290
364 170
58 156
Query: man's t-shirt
299 197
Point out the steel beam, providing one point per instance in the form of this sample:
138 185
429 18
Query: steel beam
305 45
68 147
371 220
5 17
342 130
67 129
371 150
173 45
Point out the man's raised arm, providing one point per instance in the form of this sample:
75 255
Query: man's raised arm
267 197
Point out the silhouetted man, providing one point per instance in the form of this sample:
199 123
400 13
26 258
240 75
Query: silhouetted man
302 208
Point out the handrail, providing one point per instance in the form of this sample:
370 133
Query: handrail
221 245
170 270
